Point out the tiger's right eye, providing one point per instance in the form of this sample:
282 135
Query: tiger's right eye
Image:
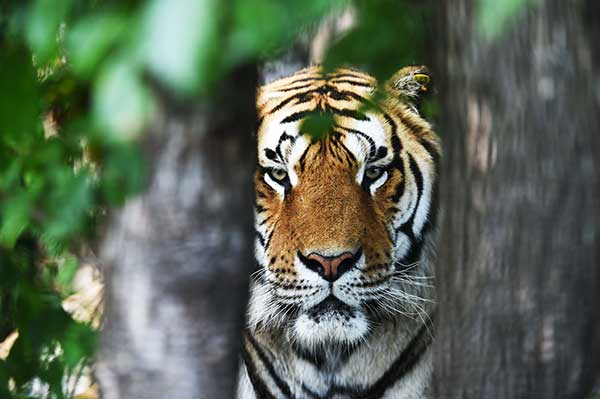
278 175
374 172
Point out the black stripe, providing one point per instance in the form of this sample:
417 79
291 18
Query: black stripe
310 392
340 75
265 220
283 138
318 359
359 98
270 154
351 82
414 168
416 247
260 237
283 387
433 209
432 151
309 78
344 95
403 363
372 146
399 190
332 144
302 160
417 130
259 208
269 238
434 203
297 115
396 143
260 388
303 84
350 158
298 87
414 253
381 153
350 113
300 97
315 358
397 160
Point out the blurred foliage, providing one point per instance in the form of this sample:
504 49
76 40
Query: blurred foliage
387 36
77 80
495 16
49 197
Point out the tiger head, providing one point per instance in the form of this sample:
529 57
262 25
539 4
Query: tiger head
342 216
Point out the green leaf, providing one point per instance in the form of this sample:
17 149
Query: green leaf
317 125
67 271
67 202
78 343
19 114
15 218
181 42
10 174
90 40
4 378
261 27
122 103
122 173
44 22
385 38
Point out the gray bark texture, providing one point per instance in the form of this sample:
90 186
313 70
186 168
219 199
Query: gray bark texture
179 256
518 274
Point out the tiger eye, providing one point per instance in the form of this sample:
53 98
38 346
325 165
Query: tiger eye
373 172
278 174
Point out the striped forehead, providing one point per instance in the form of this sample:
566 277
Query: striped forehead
282 144
284 105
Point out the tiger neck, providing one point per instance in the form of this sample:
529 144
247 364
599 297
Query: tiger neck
394 350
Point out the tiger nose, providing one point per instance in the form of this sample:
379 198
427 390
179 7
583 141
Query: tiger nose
330 267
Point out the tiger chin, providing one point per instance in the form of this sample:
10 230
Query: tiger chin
342 300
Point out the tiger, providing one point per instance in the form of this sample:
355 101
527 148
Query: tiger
342 299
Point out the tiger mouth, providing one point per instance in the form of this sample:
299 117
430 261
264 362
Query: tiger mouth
330 306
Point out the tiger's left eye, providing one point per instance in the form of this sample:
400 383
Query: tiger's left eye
278 174
374 172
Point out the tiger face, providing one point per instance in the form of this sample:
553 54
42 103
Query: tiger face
342 218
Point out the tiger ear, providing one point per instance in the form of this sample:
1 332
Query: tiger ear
411 82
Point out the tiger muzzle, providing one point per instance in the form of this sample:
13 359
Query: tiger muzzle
330 268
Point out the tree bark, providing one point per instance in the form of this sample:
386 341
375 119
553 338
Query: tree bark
179 256
518 272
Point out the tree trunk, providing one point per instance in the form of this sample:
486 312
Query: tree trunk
518 268
179 256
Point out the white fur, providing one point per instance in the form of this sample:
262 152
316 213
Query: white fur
331 329
274 185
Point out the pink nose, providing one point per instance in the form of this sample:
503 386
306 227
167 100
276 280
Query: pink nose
330 267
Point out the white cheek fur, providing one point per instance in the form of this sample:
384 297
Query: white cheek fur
300 145
378 183
274 185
